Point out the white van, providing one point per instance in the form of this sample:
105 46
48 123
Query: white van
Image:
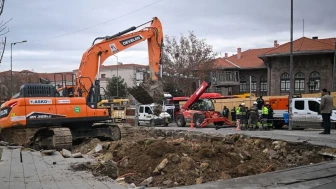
306 113
145 116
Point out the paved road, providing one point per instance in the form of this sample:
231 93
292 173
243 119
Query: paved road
310 136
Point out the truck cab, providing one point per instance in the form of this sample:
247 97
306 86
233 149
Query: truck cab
168 105
145 115
306 113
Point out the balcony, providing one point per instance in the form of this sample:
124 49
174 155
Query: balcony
226 78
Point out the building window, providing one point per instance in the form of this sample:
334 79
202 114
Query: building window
103 76
242 86
315 77
299 80
263 86
284 82
253 84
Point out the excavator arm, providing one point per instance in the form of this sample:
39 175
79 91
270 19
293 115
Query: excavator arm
96 55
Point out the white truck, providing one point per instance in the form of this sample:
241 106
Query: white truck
144 115
305 114
168 105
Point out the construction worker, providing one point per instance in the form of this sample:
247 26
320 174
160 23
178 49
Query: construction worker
264 116
254 115
242 114
225 112
233 114
270 116
260 102
238 116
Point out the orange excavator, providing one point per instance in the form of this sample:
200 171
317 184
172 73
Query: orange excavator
70 112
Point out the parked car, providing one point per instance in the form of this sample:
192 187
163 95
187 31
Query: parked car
305 114
146 116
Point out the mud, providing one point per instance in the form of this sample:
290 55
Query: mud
178 158
19 136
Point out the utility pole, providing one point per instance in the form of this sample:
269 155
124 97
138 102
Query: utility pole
117 76
291 88
334 70
11 66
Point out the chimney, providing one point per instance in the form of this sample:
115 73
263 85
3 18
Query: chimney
226 55
315 37
238 53
276 43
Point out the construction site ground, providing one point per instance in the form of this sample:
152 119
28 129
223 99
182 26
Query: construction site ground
172 157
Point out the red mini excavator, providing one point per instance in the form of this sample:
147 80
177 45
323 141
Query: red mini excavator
200 111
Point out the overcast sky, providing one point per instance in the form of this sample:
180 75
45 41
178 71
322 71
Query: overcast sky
225 24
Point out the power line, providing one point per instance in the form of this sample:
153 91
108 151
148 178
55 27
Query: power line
97 24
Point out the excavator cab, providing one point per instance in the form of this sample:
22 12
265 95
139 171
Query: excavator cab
203 105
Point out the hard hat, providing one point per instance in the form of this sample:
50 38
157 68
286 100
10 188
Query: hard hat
255 103
243 104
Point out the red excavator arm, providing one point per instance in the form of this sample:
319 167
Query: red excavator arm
95 56
197 94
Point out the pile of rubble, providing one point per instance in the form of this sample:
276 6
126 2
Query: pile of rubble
151 157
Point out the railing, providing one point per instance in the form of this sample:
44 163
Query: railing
226 78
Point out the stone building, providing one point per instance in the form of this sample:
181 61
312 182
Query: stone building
268 68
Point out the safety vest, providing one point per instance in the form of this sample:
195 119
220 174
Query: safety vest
242 111
265 110
233 110
238 111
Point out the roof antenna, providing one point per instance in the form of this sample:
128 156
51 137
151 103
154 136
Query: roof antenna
303 28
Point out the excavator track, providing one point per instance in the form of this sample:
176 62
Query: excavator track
52 138
62 138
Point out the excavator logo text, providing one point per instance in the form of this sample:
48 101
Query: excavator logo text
131 40
113 48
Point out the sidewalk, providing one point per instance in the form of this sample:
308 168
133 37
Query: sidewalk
318 176
37 172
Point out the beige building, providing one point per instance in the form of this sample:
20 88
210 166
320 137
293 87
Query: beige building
131 73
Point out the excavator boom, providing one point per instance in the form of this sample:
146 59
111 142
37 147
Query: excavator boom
95 56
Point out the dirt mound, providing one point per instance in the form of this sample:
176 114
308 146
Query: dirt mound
19 136
173 158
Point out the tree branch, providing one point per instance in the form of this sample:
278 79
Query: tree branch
3 49
2 4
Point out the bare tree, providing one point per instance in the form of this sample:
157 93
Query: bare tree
186 56
2 4
3 30
2 48
19 78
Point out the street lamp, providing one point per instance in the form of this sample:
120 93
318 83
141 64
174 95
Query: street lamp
11 64
117 77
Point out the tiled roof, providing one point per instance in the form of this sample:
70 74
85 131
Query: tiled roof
249 59
122 66
330 41
49 76
223 63
52 76
302 45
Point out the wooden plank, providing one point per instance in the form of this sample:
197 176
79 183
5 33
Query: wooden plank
61 179
5 168
16 171
46 179
31 177
75 177
6 154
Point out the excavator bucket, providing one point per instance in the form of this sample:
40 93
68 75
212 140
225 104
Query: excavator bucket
148 92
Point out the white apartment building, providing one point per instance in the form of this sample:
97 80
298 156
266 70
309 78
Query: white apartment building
127 71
